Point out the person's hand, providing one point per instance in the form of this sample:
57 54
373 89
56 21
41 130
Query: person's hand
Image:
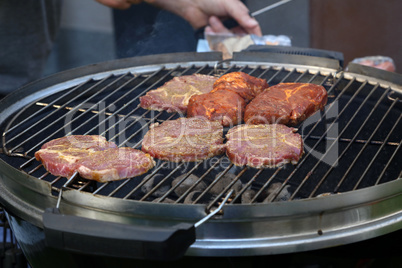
200 13
215 25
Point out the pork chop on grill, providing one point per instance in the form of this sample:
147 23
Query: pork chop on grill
286 103
174 95
94 142
184 139
224 106
60 156
263 146
93 157
115 164
247 86
226 102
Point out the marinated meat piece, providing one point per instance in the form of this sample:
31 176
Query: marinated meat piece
226 102
114 164
93 157
263 146
94 142
225 106
184 139
286 103
174 95
61 162
60 156
380 62
247 86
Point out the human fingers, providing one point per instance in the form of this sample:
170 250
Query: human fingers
216 26
117 4
238 11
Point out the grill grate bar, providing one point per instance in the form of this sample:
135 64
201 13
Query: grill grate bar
70 180
333 143
376 155
103 186
143 127
131 101
171 190
227 188
57 179
288 75
138 118
311 79
263 71
103 110
389 162
138 107
34 169
85 185
154 118
119 99
259 68
44 175
212 184
275 75
279 190
166 178
265 186
364 147
145 180
79 110
300 164
115 191
64 106
27 163
54 122
247 185
199 180
356 134
373 142
8 130
228 70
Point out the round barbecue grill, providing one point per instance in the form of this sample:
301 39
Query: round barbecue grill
346 187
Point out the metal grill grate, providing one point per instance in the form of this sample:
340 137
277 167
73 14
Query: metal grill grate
355 143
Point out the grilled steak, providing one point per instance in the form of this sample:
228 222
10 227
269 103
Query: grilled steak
225 106
174 95
286 103
60 156
94 142
263 146
184 139
93 157
114 164
247 86
226 102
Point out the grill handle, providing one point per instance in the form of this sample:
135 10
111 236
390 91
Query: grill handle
83 235
311 52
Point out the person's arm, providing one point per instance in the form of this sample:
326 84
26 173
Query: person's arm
200 13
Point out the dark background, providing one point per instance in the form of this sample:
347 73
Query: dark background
357 28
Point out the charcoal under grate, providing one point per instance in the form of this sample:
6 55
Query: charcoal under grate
354 143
